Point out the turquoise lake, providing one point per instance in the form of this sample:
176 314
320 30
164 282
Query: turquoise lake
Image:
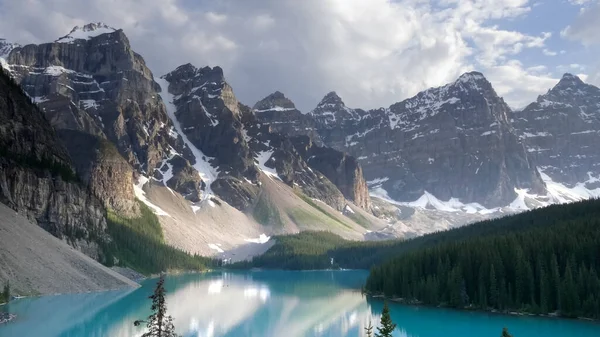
265 304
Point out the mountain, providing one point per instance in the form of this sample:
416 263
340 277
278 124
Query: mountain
183 145
451 142
91 82
6 47
37 177
560 131
281 113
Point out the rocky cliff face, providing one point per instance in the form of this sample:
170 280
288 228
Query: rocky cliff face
280 114
91 81
37 178
233 144
561 130
453 141
342 169
283 117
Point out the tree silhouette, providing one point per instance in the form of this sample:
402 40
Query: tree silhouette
159 324
505 333
369 329
387 326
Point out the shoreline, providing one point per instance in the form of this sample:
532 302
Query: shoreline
480 310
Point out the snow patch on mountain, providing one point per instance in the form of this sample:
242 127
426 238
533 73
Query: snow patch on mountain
86 32
6 47
276 108
260 160
216 247
207 172
141 195
261 239
560 193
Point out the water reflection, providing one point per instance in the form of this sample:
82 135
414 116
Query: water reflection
264 304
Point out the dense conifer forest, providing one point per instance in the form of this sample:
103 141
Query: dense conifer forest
299 251
548 265
541 261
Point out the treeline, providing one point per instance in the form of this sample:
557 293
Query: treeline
548 265
308 252
303 251
5 294
138 244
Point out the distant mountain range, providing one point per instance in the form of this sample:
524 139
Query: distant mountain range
219 173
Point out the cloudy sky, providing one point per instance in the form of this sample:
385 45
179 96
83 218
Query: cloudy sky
371 52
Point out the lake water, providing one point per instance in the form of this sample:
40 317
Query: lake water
265 304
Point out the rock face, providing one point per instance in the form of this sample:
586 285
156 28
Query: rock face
284 118
561 131
208 115
107 174
92 82
453 141
342 169
234 147
37 178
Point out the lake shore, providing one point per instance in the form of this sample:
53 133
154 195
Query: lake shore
477 309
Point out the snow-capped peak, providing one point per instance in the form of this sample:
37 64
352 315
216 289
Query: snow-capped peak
472 76
570 80
6 47
86 32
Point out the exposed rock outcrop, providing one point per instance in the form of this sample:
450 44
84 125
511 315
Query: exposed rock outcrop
453 141
561 132
342 169
37 178
91 81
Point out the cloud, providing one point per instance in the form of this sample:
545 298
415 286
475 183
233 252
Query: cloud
373 53
586 27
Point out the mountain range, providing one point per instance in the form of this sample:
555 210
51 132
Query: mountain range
223 176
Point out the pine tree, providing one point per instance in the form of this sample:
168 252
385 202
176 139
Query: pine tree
494 294
159 323
387 326
505 333
6 292
369 329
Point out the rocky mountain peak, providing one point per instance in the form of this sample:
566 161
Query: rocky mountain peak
6 47
86 32
559 131
569 79
571 91
474 81
275 102
331 98
332 110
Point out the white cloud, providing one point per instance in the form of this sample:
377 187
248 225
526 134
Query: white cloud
372 52
549 52
586 27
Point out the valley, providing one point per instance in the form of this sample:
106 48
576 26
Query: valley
105 163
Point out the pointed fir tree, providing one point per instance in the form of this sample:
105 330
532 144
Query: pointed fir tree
387 326
6 292
159 324
505 333
369 329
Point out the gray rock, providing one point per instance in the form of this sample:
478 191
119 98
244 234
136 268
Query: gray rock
100 86
561 131
37 177
452 141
